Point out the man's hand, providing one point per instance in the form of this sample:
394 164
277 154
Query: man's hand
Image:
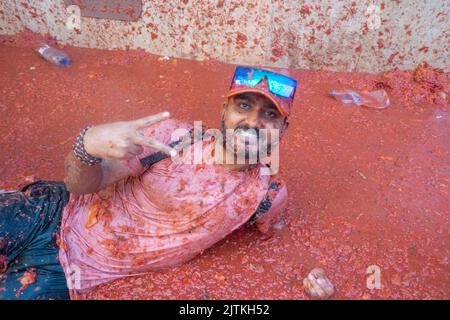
123 140
317 284
112 142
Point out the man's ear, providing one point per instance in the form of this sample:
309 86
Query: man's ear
285 124
224 105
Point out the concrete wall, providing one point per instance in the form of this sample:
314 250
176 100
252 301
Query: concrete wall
367 35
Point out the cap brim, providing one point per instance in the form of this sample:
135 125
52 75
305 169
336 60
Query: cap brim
235 92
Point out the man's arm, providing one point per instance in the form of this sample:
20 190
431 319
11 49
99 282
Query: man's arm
113 143
82 178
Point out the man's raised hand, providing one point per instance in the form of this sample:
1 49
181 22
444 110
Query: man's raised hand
123 140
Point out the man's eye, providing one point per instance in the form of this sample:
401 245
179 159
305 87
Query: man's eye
270 114
244 106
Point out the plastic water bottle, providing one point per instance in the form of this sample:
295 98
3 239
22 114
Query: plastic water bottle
346 97
55 56
377 99
7 191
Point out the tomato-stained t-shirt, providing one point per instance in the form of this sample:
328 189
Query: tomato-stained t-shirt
155 218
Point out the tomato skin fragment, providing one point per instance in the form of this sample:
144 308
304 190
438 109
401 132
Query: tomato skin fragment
29 277
3 264
97 209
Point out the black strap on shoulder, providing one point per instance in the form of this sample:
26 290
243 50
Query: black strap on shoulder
150 160
264 205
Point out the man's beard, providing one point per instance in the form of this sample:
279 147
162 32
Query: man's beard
255 141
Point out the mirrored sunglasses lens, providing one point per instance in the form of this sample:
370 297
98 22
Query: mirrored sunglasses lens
247 76
283 89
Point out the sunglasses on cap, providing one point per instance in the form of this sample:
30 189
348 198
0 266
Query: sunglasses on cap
278 84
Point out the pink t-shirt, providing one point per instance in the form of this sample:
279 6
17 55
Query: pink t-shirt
156 218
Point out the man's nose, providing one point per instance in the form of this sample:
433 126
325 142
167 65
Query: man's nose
254 121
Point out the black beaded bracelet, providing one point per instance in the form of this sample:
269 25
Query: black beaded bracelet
80 151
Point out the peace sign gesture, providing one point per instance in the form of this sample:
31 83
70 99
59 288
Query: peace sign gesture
123 140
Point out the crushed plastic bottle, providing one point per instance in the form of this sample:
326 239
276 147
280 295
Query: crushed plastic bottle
53 55
377 99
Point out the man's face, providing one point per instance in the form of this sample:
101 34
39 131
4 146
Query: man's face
247 114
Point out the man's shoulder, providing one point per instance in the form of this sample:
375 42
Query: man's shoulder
273 202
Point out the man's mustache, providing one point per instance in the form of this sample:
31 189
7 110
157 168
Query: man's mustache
261 134
247 129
